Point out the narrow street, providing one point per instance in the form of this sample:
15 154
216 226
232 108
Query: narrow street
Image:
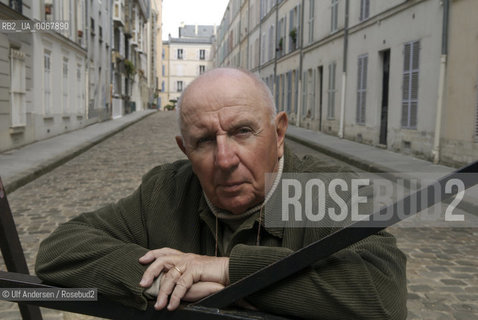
442 263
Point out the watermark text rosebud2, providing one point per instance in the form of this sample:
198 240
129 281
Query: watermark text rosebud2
340 199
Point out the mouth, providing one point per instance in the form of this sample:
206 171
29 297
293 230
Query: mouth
230 187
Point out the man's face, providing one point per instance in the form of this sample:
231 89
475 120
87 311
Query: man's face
230 138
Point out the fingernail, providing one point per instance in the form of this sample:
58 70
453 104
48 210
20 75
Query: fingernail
142 282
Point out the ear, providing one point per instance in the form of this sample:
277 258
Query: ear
180 143
281 123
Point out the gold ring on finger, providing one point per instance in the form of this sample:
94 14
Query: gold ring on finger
178 270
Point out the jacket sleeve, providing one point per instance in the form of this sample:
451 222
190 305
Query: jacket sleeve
99 250
364 281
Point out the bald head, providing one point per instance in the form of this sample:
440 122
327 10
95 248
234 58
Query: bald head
216 79
231 136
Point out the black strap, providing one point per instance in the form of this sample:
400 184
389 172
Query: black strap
12 251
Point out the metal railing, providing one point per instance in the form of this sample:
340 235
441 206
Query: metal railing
213 307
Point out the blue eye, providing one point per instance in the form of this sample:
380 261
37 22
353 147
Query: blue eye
205 140
244 131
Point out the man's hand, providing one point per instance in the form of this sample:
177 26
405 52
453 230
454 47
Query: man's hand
186 276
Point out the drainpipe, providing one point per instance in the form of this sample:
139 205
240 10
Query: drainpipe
441 83
240 38
344 72
87 62
275 86
168 81
259 66
299 89
110 59
248 67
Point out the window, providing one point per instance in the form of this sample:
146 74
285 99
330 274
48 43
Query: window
289 91
331 91
293 33
334 15
92 26
16 5
311 20
230 43
79 89
361 88
364 9
179 86
282 92
250 56
49 12
263 48
271 43
202 69
280 37
126 86
311 94
305 89
118 84
257 52
180 54
162 86
46 83
125 47
117 10
202 54
163 70
116 40
163 53
65 85
410 85
17 87
298 24
277 92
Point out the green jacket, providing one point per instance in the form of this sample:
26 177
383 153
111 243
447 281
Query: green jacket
101 249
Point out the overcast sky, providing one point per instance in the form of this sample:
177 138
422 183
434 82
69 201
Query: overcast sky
208 12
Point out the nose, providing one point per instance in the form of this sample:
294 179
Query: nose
226 157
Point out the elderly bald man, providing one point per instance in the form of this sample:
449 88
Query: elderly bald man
197 225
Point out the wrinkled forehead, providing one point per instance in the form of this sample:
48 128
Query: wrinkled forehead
214 92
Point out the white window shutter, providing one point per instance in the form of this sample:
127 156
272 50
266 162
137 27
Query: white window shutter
410 84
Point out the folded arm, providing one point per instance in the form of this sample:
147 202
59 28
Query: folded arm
364 281
100 250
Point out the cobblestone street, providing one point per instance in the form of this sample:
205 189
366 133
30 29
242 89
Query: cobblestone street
442 263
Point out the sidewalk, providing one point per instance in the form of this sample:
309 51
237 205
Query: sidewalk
20 166
377 160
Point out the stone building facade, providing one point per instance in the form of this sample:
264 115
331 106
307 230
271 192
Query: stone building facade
16 80
396 74
185 58
130 90
44 74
